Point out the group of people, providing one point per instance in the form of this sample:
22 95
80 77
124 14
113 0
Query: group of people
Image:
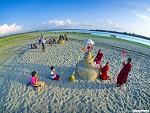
51 41
63 37
122 76
35 81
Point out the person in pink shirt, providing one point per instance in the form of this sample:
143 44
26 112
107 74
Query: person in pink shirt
34 80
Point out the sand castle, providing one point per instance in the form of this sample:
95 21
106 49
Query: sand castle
61 41
87 69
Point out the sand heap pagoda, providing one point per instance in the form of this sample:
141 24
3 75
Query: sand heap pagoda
86 68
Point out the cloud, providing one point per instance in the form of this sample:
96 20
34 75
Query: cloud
109 21
86 24
114 25
148 9
61 23
146 18
8 29
67 23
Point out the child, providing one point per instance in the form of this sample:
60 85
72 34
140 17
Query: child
53 75
104 72
34 80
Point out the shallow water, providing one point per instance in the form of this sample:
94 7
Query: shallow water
121 36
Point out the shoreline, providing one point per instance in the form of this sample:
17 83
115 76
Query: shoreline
125 33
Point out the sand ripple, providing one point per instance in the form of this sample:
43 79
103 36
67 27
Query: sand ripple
64 96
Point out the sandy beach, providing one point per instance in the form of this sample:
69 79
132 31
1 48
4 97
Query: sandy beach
83 96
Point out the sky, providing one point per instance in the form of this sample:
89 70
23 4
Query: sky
132 16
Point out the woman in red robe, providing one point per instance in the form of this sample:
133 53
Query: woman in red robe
98 57
104 72
122 77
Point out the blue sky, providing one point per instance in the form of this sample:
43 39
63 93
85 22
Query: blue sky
118 15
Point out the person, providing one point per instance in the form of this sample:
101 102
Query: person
39 39
122 77
66 37
98 57
43 42
53 75
50 41
60 37
34 80
104 72
33 46
54 40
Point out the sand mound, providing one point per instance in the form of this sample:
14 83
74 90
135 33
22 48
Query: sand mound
88 73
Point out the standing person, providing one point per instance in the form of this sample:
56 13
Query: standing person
104 72
39 39
98 57
60 37
66 38
122 77
43 42
53 75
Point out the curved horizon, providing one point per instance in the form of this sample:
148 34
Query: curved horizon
115 34
102 30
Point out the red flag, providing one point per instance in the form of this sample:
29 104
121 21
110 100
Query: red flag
124 53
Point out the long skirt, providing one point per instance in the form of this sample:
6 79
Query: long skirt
57 77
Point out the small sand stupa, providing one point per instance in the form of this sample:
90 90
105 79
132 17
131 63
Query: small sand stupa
86 68
61 41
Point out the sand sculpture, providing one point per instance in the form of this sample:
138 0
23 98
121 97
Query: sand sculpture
61 41
86 68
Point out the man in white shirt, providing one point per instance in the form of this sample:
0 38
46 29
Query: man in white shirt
43 42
